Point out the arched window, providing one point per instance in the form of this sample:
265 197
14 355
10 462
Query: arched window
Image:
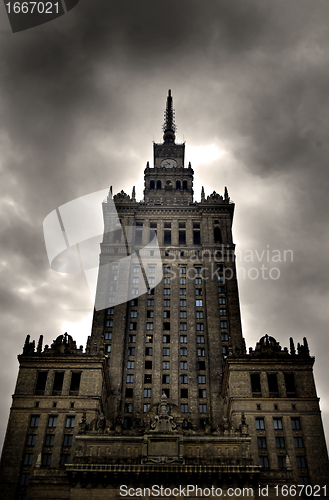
178 185
217 235
158 184
185 185
152 184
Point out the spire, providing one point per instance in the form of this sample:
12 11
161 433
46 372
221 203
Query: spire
169 127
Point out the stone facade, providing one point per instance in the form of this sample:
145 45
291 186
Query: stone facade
165 392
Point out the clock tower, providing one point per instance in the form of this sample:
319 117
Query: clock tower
168 182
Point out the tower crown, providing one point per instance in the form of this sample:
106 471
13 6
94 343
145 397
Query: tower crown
169 127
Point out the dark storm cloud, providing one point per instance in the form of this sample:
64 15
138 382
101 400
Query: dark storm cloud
80 100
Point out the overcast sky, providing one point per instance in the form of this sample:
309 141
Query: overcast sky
82 98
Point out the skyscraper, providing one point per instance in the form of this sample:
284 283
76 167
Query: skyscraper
165 392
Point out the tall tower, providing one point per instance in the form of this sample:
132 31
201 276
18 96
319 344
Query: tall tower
174 339
165 392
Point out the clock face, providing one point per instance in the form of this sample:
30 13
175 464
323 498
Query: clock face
168 163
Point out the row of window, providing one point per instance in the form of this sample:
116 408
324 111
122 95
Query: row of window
277 423
282 463
52 421
58 383
280 442
158 185
272 382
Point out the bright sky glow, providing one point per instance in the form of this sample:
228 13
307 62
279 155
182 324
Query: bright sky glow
200 155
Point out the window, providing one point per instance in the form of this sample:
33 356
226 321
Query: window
182 291
50 438
58 383
65 459
223 324
182 270
303 480
150 302
183 351
222 312
108 348
147 393
108 336
272 384
295 423
131 365
198 303
135 281
46 459
70 419
148 351
282 463
149 339
279 442
151 269
182 237
184 408
221 289
167 237
134 302
129 392
133 326
277 422
31 439
182 281
153 225
200 327
147 378
198 291
183 379
183 326
165 379
165 351
182 225
150 314
202 408
166 280
221 300
299 442
165 365
166 339
146 407
184 393
198 281
301 462
202 393
136 269
220 279
289 380
67 440
131 351
34 422
224 336
24 480
200 352
150 291
166 269
128 408
263 461
183 365
149 326
199 315
255 383
27 459
183 339
133 314
148 365
258 407
196 238
200 339
166 303
110 311
201 365
41 383
166 291
182 302
166 326
260 423
52 420
261 442
225 350
127 422
201 379
130 379
167 393
132 338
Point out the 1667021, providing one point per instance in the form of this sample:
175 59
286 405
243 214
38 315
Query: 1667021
32 7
